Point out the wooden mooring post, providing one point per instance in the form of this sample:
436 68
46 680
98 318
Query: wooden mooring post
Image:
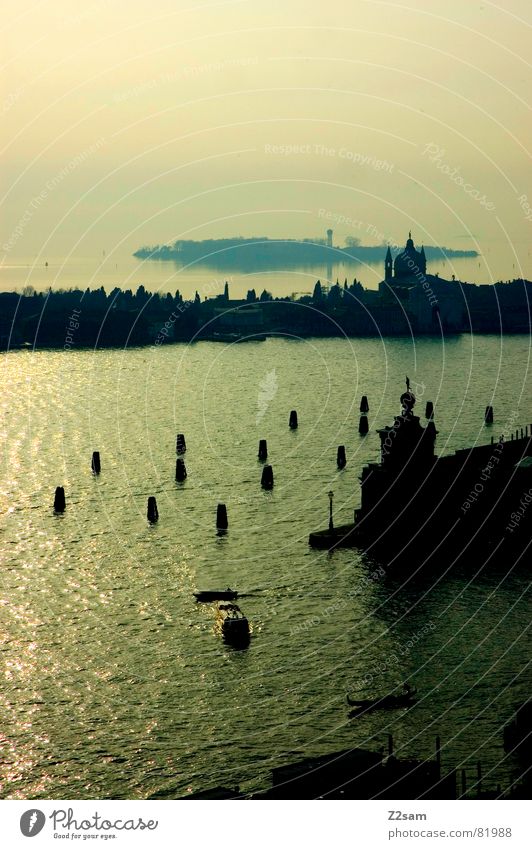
222 522
266 480
59 500
341 461
153 513
180 470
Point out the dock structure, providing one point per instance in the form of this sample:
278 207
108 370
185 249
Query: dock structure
361 774
415 503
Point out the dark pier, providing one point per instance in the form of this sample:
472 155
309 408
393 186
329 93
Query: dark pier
414 503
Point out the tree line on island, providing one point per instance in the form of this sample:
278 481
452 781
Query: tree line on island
247 254
94 318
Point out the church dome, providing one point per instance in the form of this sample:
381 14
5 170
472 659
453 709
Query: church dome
409 263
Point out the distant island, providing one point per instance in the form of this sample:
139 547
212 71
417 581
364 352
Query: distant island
409 301
260 252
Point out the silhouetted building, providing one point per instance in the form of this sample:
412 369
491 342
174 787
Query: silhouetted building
409 263
421 506
429 304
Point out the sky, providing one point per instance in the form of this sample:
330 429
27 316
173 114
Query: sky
134 123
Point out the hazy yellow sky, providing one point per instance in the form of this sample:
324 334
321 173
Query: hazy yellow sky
130 123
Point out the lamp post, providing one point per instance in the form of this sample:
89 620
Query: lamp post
331 496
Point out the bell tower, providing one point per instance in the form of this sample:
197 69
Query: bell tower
388 267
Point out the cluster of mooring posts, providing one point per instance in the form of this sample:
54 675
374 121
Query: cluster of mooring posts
363 426
222 522
267 472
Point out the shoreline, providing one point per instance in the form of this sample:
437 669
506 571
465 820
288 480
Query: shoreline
429 307
254 338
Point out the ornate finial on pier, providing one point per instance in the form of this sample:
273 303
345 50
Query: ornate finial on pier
408 399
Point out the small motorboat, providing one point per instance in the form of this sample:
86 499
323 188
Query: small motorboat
233 624
390 702
216 595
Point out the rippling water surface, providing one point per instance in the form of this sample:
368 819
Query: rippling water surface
114 681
